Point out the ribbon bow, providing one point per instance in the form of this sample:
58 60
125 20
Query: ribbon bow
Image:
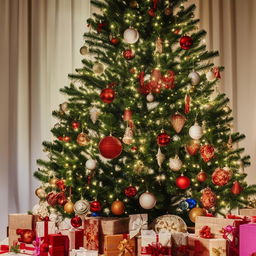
205 232
137 226
124 247
156 249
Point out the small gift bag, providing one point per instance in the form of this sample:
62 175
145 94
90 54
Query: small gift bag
155 244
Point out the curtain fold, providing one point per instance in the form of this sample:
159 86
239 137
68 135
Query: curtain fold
39 46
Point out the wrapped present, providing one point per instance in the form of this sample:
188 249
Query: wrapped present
76 237
91 233
247 245
4 248
44 228
83 252
179 244
216 224
58 245
118 245
64 224
19 221
28 249
137 223
248 212
198 246
112 226
155 244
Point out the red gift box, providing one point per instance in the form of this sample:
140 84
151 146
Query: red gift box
28 249
4 249
76 237
91 234
55 242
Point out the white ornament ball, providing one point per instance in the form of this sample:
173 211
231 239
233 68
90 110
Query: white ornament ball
150 97
147 200
175 163
131 35
210 76
91 164
196 131
98 68
195 78
81 207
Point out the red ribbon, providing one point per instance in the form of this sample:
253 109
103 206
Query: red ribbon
4 249
205 232
157 249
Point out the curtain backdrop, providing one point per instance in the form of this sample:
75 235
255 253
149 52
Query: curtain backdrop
39 46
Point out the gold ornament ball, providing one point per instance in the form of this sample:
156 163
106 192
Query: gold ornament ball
40 193
133 4
117 207
53 181
98 68
84 50
196 212
69 207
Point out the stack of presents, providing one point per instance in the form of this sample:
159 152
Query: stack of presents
167 235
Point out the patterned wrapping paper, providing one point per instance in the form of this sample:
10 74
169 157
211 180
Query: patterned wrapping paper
198 246
91 233
247 244
112 226
154 244
117 245
137 223
216 224
248 212
75 236
19 221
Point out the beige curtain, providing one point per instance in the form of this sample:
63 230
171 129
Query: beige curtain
39 46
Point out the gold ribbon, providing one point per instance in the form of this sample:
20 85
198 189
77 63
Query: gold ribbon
124 247
218 252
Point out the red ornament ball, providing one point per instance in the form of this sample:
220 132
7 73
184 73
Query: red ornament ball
208 198
66 139
183 182
76 222
207 152
110 147
128 54
95 206
114 40
163 139
60 184
186 42
107 95
201 176
221 177
151 13
60 138
130 191
75 125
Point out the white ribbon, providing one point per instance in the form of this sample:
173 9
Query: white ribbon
137 225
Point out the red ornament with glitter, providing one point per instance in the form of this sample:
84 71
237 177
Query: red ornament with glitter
127 115
128 54
208 198
95 206
163 139
186 42
130 191
169 79
107 95
193 147
201 176
207 152
221 177
61 199
61 184
75 125
52 198
187 104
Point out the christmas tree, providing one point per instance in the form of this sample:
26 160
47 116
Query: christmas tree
144 129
